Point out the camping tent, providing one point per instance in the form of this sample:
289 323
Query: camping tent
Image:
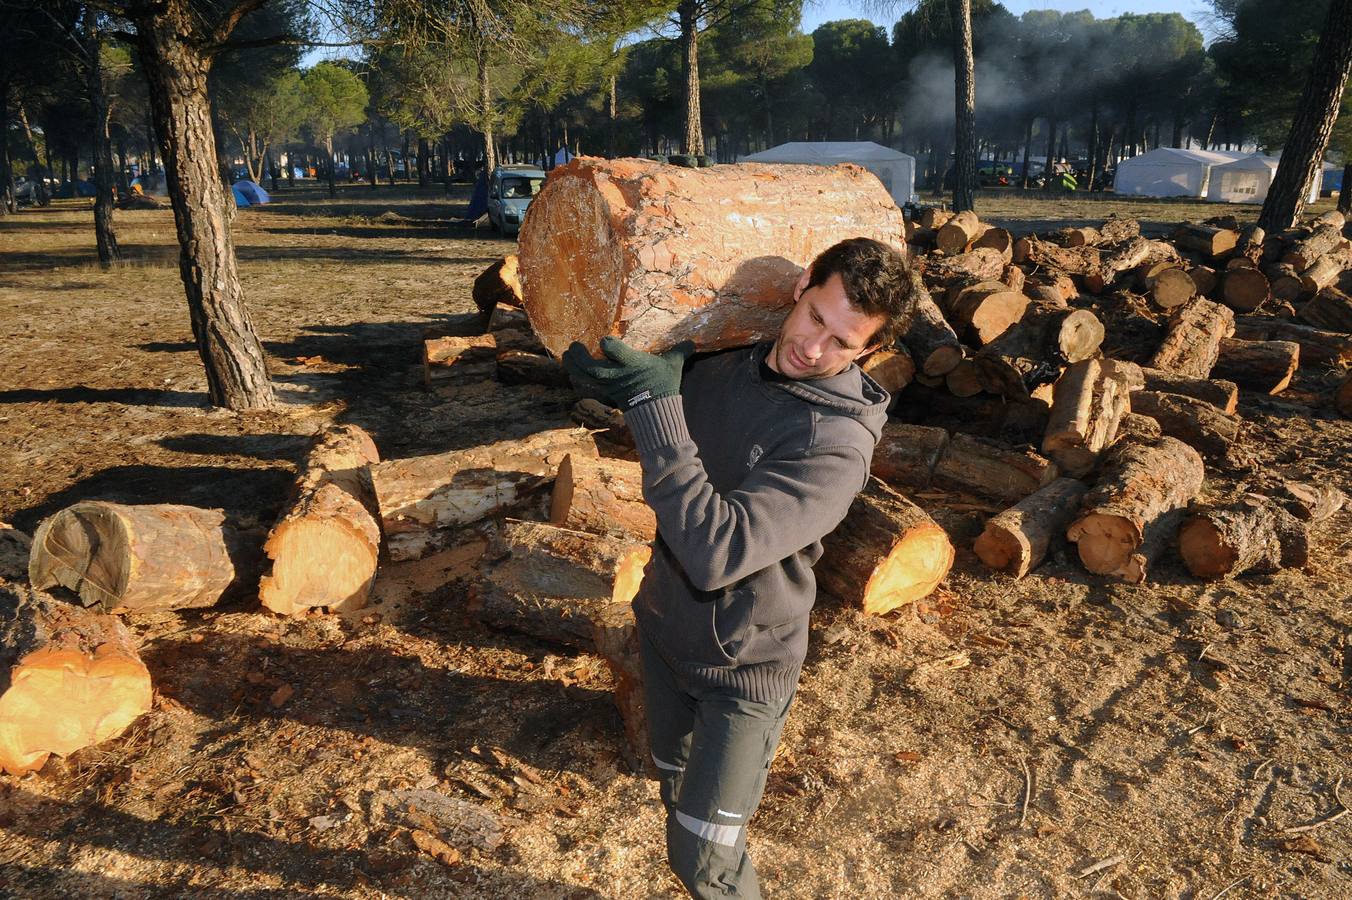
896 170
1170 172
252 192
1332 180
241 198
1246 180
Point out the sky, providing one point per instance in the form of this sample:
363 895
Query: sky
815 12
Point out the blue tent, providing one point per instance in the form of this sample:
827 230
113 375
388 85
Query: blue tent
86 189
255 194
478 201
297 171
241 199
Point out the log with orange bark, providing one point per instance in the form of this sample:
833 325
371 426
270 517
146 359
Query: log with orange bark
885 554
658 254
69 678
422 500
551 582
325 546
1016 541
1317 346
151 557
1130 516
1033 351
1251 535
1193 341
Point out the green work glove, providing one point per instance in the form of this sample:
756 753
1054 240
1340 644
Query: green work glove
626 377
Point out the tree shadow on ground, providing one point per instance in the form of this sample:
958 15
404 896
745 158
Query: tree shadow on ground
127 396
248 495
202 852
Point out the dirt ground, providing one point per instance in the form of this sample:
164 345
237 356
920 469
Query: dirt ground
1059 736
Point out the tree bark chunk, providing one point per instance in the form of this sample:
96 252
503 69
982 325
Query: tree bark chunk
885 554
325 545
154 557
1224 395
1132 511
69 678
658 254
1016 541
423 498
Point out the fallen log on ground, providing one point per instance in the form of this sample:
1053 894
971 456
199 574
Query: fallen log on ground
152 557
891 369
906 455
1016 541
1196 423
551 582
930 339
603 496
1205 239
1305 253
1330 309
1171 287
658 254
981 313
1224 395
1192 343
325 545
1317 346
885 554
421 500
69 678
1265 366
988 468
958 233
1139 252
1250 536
1131 514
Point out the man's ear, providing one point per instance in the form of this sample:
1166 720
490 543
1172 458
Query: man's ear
802 283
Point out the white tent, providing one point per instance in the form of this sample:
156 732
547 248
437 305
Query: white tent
896 170
1247 181
1170 172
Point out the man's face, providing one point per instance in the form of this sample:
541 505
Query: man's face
823 333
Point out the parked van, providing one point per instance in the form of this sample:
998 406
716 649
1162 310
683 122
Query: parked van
510 191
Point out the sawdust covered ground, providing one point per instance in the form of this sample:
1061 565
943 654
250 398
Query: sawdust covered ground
1001 741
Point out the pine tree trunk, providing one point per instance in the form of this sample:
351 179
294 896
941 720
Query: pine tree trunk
237 375
964 174
104 233
1303 154
486 110
328 149
692 144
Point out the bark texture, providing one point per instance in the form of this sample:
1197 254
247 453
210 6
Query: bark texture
1016 541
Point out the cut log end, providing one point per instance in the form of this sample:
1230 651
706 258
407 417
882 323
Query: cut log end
322 561
1105 542
913 569
1204 550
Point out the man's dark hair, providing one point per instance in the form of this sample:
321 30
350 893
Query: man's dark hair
877 281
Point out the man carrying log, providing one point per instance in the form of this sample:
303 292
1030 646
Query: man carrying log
750 457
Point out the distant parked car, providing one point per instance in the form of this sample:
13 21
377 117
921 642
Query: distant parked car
510 191
31 192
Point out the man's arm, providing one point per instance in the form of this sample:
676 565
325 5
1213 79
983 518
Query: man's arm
783 505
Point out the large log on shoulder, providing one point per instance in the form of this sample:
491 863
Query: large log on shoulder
325 546
152 557
1132 513
886 553
424 498
658 254
1016 541
69 678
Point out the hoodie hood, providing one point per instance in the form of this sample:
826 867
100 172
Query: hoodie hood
850 393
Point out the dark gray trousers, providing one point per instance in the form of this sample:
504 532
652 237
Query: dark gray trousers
713 753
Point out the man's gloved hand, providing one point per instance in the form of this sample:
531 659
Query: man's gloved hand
626 377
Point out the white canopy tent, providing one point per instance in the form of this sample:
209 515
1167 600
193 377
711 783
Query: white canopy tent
896 170
1247 181
1170 172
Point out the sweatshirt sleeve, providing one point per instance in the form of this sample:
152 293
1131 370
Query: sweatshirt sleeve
783 505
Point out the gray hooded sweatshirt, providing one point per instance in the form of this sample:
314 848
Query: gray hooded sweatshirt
746 476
